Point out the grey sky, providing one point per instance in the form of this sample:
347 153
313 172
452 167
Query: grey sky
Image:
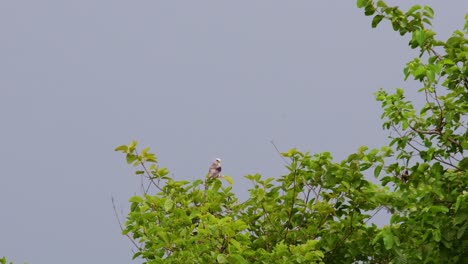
194 80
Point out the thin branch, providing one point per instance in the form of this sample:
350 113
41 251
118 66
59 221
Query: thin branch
376 212
400 135
317 194
120 225
277 150
418 150
435 53
307 195
149 177
433 132
447 163
441 114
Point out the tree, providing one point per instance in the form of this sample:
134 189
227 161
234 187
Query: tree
319 212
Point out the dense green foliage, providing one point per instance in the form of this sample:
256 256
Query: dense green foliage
319 212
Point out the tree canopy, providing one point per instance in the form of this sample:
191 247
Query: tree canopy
320 211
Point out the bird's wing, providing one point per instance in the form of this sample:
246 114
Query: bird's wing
213 167
212 171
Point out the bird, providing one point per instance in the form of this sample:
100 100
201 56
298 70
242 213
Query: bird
215 169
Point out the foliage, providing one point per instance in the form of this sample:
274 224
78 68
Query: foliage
320 211
431 216
4 261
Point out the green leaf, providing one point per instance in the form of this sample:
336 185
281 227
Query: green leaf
145 151
412 9
136 199
228 179
388 240
136 255
133 144
460 218
427 21
221 258
377 238
197 182
420 36
428 11
430 74
122 148
439 209
238 259
168 205
381 3
459 201
376 20
377 170
465 27
463 164
369 10
364 166
361 3
436 234
163 172
419 73
131 158
461 231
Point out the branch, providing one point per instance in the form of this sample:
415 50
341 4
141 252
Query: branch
434 132
431 132
292 204
150 177
376 212
431 49
277 150
120 225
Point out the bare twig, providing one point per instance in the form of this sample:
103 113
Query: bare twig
435 53
376 212
277 150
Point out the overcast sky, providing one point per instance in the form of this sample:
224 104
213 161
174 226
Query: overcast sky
194 80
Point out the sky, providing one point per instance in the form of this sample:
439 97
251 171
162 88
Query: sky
193 80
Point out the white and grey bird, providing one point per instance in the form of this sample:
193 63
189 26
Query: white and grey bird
215 169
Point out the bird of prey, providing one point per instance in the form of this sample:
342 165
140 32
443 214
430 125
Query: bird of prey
215 169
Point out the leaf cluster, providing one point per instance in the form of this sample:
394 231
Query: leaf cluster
317 213
430 172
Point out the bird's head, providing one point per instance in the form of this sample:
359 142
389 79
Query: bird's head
218 160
